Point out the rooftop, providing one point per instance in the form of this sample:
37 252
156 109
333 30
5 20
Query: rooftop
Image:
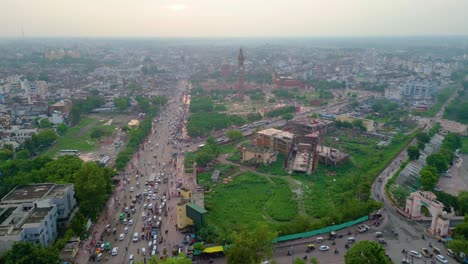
38 215
57 191
28 192
269 131
254 148
284 135
197 208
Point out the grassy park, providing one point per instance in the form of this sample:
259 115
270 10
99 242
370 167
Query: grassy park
78 137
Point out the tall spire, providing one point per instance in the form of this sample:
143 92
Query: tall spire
240 75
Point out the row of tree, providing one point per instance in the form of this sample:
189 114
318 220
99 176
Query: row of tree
82 107
138 135
281 111
201 124
438 163
356 124
92 182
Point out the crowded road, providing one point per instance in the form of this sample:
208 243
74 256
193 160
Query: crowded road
149 193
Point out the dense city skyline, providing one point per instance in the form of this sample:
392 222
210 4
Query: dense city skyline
209 18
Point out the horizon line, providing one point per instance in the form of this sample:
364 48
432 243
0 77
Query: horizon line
233 37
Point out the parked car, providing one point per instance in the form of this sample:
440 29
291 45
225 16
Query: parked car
115 251
121 237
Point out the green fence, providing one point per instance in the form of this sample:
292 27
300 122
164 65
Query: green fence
320 231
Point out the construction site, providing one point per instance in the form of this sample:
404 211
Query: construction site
301 142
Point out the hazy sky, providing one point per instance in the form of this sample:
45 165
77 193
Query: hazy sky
238 18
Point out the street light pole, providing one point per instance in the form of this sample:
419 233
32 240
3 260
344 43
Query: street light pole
292 255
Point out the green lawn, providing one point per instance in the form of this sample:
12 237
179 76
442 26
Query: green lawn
78 137
464 149
239 202
280 206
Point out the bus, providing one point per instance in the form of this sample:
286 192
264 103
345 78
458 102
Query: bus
244 127
72 152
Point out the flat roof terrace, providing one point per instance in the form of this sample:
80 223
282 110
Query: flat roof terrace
38 215
28 192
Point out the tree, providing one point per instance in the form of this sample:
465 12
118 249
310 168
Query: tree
234 135
251 246
125 129
122 103
287 116
401 194
423 137
62 129
26 253
78 224
180 259
413 152
463 203
314 260
366 252
90 181
45 138
44 123
438 161
96 133
6 154
428 178
23 154
299 261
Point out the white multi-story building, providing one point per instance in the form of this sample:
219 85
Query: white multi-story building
32 213
419 90
17 134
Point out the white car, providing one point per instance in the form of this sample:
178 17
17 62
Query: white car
121 237
324 248
131 257
154 197
415 254
132 189
135 237
115 251
130 222
150 244
441 259
126 230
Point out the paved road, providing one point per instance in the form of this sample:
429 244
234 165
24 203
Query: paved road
154 156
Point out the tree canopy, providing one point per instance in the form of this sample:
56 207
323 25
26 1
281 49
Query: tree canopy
234 135
413 152
122 103
26 253
366 252
90 181
251 246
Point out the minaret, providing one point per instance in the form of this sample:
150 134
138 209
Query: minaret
240 74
